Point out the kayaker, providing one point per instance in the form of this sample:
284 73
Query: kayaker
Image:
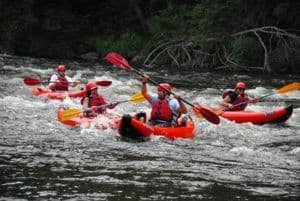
165 110
61 82
232 99
93 100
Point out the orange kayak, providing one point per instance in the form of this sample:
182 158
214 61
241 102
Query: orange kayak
259 117
133 127
102 121
59 95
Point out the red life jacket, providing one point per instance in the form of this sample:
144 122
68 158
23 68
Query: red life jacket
96 101
161 111
240 99
62 85
236 101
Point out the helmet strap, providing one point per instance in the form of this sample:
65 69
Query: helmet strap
166 94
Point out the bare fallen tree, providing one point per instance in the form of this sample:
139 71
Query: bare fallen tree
280 37
191 54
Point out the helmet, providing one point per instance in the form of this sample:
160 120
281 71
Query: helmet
240 85
90 86
163 86
61 68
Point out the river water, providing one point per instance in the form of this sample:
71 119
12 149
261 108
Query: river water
41 159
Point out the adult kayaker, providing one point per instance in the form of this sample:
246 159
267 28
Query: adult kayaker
165 110
232 99
61 82
93 100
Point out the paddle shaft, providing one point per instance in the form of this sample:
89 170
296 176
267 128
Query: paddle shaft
35 81
42 82
248 101
100 106
108 104
71 113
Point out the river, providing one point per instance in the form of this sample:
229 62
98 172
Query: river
41 159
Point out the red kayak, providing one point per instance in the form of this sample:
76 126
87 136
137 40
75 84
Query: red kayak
101 122
136 128
259 117
58 95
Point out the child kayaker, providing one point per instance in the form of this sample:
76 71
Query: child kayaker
61 82
93 100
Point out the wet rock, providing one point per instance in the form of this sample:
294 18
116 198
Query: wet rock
90 56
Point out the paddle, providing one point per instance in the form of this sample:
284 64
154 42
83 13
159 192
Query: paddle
73 112
285 89
119 61
33 81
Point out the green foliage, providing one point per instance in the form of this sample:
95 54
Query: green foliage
64 29
285 59
171 22
128 44
17 18
247 51
208 19
62 21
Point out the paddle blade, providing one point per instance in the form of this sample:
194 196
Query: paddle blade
70 113
197 113
206 113
137 98
104 83
200 116
291 87
117 60
31 81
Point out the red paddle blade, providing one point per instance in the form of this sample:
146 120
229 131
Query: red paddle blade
104 83
206 113
118 60
31 81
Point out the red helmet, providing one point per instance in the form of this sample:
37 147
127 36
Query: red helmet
61 68
241 85
163 86
90 86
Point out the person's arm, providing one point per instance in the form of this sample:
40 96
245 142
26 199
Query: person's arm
112 105
182 108
92 110
144 88
52 82
85 103
71 82
225 104
254 99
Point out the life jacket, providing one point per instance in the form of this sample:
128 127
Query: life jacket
95 101
237 100
161 111
62 85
